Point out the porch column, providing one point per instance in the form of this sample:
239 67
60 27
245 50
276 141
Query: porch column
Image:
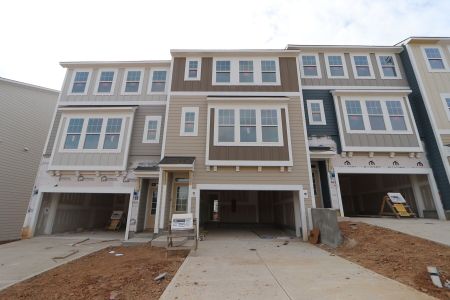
163 200
158 201
436 197
417 194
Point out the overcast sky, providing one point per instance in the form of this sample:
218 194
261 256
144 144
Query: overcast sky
37 34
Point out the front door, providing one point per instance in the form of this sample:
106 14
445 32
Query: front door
316 185
152 197
181 194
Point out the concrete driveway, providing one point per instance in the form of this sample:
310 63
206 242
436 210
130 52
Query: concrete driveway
240 265
27 258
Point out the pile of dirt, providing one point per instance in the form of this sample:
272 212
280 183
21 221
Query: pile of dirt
395 255
103 275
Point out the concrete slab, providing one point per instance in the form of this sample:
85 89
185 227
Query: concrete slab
239 265
23 259
430 229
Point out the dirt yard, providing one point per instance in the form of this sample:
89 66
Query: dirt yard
395 255
102 275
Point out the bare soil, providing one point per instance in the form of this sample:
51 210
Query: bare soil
102 275
395 255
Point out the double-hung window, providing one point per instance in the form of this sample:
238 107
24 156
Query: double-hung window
354 114
112 133
396 115
223 71
335 66
269 125
246 71
192 69
434 58
375 113
105 82
73 133
388 67
316 113
189 121
158 81
268 71
133 82
152 129
80 82
446 102
310 66
247 125
226 125
93 131
362 66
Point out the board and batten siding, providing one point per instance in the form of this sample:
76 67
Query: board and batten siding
288 78
351 80
177 145
25 116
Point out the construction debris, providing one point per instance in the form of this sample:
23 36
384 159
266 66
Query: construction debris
66 256
314 236
434 274
160 276
82 241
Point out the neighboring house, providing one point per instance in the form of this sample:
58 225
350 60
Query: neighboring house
428 59
25 115
235 137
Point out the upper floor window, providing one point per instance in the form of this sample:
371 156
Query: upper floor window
336 66
105 82
246 71
354 114
158 81
133 82
268 71
316 113
192 69
248 127
73 133
375 113
112 134
223 71
93 131
256 71
152 129
446 102
388 67
396 115
80 82
362 67
189 121
310 66
435 59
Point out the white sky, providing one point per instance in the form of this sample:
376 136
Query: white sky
37 34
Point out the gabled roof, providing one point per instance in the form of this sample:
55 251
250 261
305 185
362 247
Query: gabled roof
28 85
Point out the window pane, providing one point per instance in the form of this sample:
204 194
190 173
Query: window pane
437 64
226 117
78 87
152 124
363 71
192 73
151 135
269 77
268 66
361 60
104 87
159 75
269 134
111 141
310 70
226 134
389 72
269 117
433 53
91 141
246 66
353 107
335 60
448 102
134 76
182 197
316 117
189 127
356 122
72 141
377 123
309 60
94 125
223 66
193 64
374 107
223 77
248 133
398 123
158 86
107 76
81 76
114 125
394 107
75 126
247 116
387 60
336 71
245 77
132 87
315 107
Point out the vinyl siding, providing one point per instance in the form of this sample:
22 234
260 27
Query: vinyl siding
288 78
25 116
445 139
352 81
51 141
177 145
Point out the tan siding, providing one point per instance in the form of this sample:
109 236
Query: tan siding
445 139
288 77
352 81
177 145
25 116
249 153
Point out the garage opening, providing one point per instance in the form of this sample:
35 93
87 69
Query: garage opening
264 212
80 212
362 194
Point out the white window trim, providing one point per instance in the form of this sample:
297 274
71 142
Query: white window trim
259 141
86 118
150 81
443 96
396 66
365 115
158 130
113 84
323 121
125 75
199 69
427 62
344 65
184 110
319 72
88 81
369 61
257 71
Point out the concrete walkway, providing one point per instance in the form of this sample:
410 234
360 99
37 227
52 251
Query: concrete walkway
430 229
240 265
26 258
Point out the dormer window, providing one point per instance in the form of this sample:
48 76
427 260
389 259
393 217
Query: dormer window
80 82
268 71
246 71
310 66
434 58
105 82
336 66
223 70
133 82
158 81
362 67
192 69
388 67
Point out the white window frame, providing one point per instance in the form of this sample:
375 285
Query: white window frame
369 61
158 130
396 66
365 115
319 72
113 84
323 121
186 69
344 65
443 56
150 81
185 110
103 133
444 102
257 72
72 81
141 80
237 126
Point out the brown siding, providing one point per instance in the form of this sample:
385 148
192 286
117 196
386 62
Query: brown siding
288 78
249 152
